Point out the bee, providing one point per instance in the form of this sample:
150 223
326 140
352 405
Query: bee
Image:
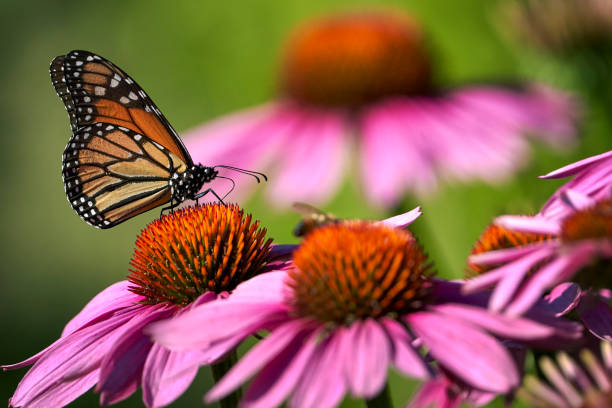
312 218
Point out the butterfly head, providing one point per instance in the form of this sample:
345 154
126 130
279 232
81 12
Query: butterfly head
186 184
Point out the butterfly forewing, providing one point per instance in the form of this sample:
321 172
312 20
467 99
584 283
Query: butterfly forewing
112 173
94 90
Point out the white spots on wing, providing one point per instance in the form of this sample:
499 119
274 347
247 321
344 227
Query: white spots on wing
124 100
114 83
99 90
100 133
76 74
87 99
89 110
85 135
88 117
89 58
78 63
110 127
129 81
137 138
124 129
132 96
147 108
82 199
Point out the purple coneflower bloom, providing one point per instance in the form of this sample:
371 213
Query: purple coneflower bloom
338 320
570 384
576 246
182 260
367 78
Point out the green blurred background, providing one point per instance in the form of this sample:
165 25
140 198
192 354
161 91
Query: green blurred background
199 60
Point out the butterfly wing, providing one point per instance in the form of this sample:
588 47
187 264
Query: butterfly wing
95 91
112 173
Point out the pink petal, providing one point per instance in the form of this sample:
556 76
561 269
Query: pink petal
536 225
284 337
405 357
166 375
468 352
267 288
314 160
502 326
70 367
435 393
116 296
370 351
322 383
576 200
403 220
556 271
121 368
392 155
279 376
500 256
597 317
563 298
576 167
221 318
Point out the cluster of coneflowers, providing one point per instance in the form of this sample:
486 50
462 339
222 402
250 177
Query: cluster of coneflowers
331 314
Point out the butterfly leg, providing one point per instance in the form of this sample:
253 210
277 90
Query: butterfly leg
170 207
209 190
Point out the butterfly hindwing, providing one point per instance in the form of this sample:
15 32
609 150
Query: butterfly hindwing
94 90
112 173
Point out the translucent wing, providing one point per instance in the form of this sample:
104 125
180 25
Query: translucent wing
112 173
94 90
312 218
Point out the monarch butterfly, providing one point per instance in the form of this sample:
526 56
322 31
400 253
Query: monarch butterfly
123 158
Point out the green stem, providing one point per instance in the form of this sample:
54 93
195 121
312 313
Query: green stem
382 400
218 371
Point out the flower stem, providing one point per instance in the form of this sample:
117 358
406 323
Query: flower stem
382 400
218 371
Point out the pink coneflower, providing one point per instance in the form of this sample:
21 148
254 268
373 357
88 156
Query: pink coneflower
576 246
366 77
570 384
592 177
181 261
359 299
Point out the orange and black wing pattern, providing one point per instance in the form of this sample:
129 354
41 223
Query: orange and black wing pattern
95 91
112 173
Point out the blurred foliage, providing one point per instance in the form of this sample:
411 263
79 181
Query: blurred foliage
199 60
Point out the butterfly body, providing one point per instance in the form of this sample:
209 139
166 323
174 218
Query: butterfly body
124 157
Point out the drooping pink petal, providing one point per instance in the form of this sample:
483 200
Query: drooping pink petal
563 298
267 288
392 155
499 256
71 366
166 375
366 371
116 296
576 200
121 368
434 393
222 319
280 375
597 317
469 353
405 357
285 336
312 164
322 383
535 225
403 220
551 274
576 167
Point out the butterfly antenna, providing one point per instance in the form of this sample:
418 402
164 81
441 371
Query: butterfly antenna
231 189
254 174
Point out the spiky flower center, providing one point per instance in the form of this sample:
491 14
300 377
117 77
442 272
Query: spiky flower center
495 237
197 249
357 269
352 59
590 223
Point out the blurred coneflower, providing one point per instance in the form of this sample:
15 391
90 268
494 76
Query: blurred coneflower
367 77
570 239
586 383
359 298
182 260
